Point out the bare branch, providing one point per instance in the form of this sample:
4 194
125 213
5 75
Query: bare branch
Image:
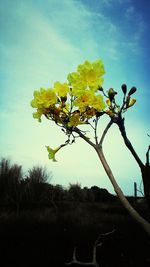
92 263
120 122
147 156
95 131
94 260
104 133
83 136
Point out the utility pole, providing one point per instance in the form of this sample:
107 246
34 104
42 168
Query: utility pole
135 190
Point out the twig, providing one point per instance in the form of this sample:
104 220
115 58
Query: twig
95 131
104 133
147 156
120 122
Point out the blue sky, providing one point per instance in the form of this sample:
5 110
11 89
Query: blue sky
41 42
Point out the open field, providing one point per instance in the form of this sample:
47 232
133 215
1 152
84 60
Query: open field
46 236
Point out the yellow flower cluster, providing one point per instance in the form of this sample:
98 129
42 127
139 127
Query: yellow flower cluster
88 76
78 100
88 99
44 98
74 103
62 89
42 101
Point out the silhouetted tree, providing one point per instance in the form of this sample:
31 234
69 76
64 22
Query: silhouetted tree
75 192
36 183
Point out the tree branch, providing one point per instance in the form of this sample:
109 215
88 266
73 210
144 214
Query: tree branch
104 133
135 215
76 130
120 122
94 260
147 157
92 263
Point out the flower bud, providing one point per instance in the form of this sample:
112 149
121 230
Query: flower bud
132 90
124 88
132 102
127 101
111 94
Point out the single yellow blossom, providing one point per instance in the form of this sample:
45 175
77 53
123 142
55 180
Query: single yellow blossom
84 101
90 73
97 102
88 76
62 89
44 98
78 86
52 152
88 99
38 114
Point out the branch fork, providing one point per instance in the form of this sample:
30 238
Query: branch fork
94 262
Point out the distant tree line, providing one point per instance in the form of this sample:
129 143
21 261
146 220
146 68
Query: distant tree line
34 189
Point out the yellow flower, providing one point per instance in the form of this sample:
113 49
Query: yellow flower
97 102
44 98
88 99
38 114
62 89
78 86
84 101
52 152
91 73
88 76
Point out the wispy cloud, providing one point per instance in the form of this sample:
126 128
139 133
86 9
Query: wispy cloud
109 3
121 33
134 18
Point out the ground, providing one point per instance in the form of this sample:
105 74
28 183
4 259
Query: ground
46 237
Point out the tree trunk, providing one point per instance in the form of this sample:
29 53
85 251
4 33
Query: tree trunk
135 215
145 169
